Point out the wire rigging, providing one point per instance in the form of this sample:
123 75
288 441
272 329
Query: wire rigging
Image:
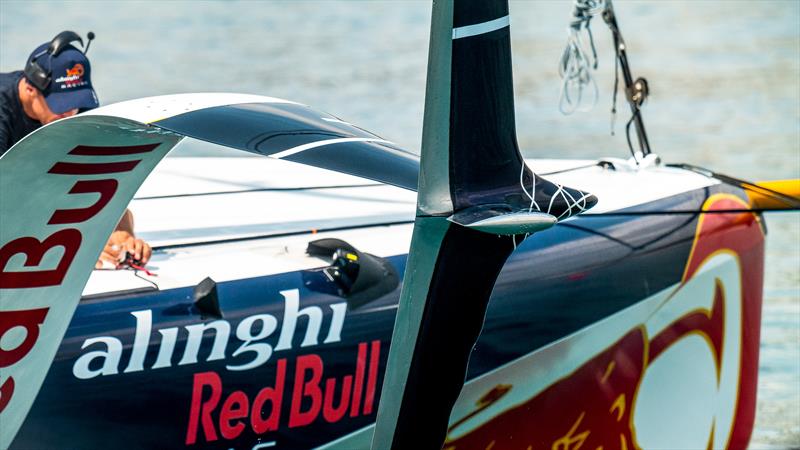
576 65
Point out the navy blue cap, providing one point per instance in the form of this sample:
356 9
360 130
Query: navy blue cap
71 82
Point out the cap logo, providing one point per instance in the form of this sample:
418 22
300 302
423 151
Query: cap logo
73 78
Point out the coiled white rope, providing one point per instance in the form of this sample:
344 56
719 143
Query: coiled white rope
576 65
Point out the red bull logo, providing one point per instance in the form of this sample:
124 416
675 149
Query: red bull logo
568 415
639 391
73 77
76 71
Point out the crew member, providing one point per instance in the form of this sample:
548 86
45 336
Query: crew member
54 85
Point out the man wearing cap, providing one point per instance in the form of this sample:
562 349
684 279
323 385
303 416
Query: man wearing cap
57 84
64 88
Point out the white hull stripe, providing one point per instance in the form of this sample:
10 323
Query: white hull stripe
480 28
336 121
152 109
304 147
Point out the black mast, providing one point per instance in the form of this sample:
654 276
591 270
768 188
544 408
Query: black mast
635 90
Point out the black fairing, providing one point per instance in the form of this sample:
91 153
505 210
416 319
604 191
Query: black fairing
485 162
452 321
482 111
359 280
271 128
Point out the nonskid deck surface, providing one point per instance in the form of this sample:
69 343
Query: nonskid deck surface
268 210
198 200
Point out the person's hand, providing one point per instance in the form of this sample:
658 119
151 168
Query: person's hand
122 241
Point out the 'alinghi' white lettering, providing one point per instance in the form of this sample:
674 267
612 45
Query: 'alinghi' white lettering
290 315
251 332
144 322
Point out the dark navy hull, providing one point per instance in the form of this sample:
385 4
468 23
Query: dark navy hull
554 284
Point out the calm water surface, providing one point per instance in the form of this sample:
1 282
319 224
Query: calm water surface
724 78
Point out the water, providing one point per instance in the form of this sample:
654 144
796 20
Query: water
724 79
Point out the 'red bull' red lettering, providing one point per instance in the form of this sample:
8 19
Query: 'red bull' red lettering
106 189
272 396
201 410
92 150
360 363
372 378
312 396
6 391
45 263
306 389
70 239
68 168
34 251
236 407
30 320
330 412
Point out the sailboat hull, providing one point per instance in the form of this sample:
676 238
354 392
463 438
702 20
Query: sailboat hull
621 331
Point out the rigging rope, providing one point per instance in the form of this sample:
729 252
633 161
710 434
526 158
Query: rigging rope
576 64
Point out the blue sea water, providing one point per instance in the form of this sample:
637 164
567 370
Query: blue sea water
724 79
